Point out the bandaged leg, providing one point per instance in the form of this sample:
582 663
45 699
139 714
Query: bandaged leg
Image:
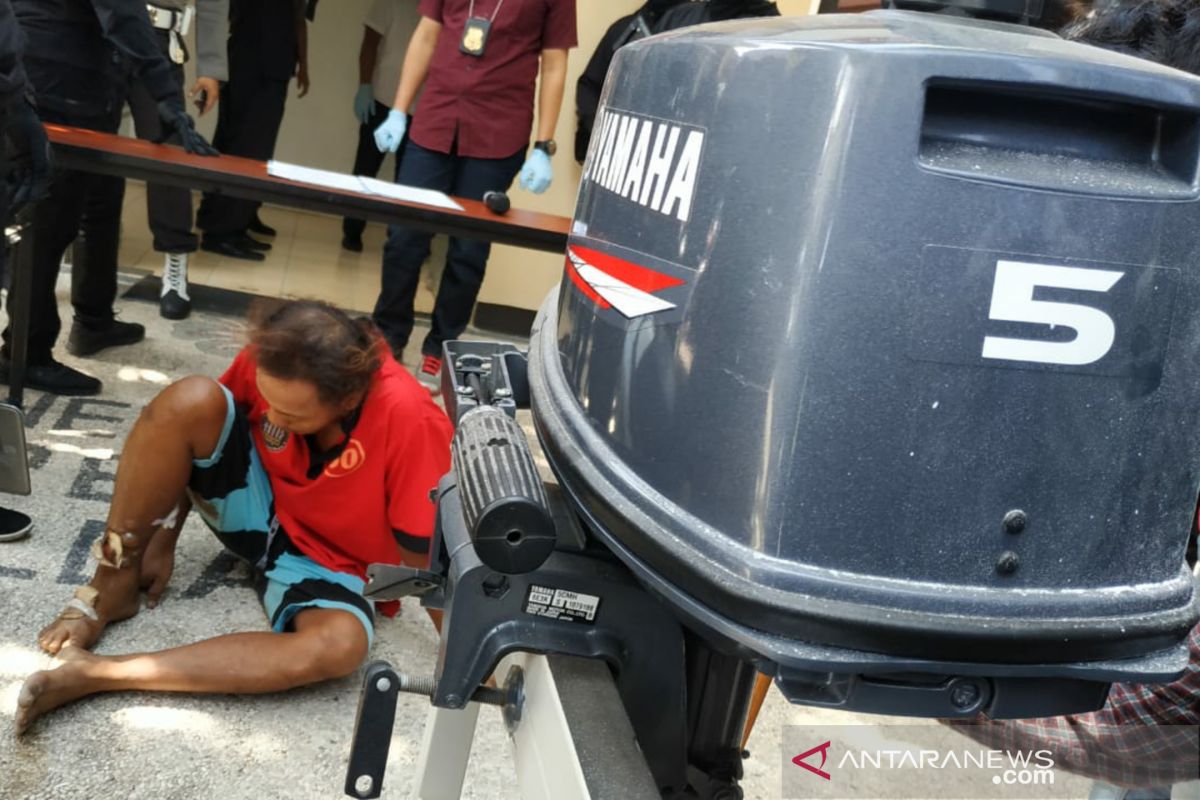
112 594
182 424
118 550
82 605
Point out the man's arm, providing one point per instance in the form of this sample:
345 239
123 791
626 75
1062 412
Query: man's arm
302 82
212 54
1093 746
414 550
416 62
212 36
29 176
1145 735
550 95
126 24
12 74
536 174
367 53
364 97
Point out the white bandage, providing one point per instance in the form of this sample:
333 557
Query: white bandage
121 555
83 604
87 610
169 520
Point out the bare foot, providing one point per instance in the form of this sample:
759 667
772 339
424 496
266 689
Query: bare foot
47 690
117 600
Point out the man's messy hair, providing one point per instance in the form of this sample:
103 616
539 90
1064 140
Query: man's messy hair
1164 31
316 342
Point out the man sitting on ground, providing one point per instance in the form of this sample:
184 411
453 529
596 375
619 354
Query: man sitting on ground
312 457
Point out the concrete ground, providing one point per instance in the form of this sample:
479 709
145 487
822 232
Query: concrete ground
159 746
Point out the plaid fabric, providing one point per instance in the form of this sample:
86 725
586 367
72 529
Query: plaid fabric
1137 740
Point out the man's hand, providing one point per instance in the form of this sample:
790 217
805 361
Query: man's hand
302 82
364 103
176 120
206 91
157 565
537 174
389 134
29 179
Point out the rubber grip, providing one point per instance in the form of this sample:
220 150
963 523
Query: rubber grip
503 499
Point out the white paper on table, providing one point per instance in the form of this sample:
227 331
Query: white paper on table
408 194
355 183
317 177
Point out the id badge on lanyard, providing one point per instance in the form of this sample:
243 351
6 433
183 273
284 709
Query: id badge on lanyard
475 36
476 31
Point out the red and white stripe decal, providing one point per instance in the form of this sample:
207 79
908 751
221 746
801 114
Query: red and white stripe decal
612 282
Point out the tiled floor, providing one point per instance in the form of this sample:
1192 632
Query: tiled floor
306 261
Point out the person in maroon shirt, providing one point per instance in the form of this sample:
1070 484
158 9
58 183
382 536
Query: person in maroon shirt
478 63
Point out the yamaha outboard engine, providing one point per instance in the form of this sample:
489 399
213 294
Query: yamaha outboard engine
875 363
905 368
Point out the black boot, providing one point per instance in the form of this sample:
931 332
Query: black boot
230 248
250 243
86 340
55 378
261 228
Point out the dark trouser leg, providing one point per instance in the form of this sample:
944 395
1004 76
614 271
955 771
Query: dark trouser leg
169 208
407 248
466 259
367 161
249 115
55 225
272 102
94 268
5 277
210 215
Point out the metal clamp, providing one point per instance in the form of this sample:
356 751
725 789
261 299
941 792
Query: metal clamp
377 716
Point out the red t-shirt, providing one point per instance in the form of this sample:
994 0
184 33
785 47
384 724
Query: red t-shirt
381 483
487 100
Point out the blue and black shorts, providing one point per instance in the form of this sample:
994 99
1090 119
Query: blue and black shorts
232 493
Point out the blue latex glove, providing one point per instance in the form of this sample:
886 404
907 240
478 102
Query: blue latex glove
364 103
389 135
536 174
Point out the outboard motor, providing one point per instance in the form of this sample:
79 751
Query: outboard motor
875 362
903 374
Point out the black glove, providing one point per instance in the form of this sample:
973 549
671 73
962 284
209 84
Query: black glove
176 121
29 175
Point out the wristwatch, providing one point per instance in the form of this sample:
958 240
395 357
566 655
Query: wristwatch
547 146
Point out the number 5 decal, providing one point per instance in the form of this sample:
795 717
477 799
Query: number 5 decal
1012 301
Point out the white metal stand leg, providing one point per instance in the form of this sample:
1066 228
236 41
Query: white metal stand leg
573 740
543 748
445 750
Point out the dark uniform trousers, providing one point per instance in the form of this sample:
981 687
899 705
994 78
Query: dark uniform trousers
407 248
57 220
168 208
71 63
248 119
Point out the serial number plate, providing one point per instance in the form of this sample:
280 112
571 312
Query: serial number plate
562 604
